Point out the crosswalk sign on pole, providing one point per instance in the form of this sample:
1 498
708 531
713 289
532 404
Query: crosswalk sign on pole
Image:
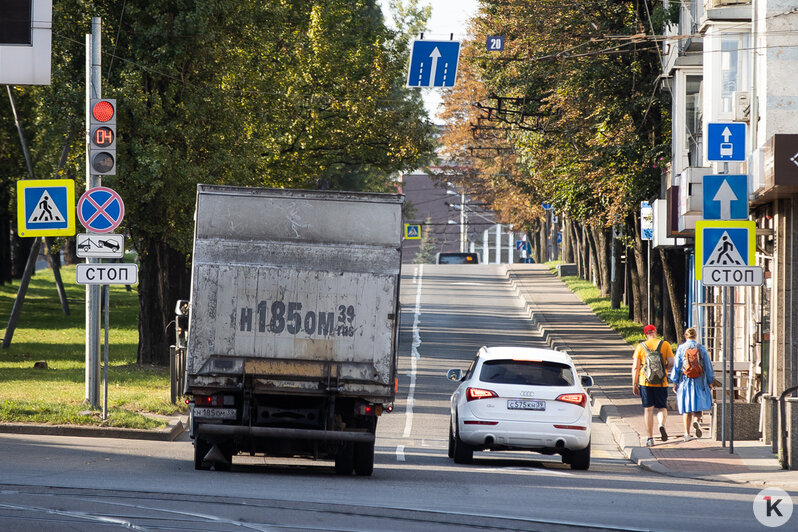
723 243
46 207
412 231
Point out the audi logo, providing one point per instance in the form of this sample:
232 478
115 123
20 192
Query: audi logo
528 394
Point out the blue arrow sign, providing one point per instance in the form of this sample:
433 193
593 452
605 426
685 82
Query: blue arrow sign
726 141
725 197
433 64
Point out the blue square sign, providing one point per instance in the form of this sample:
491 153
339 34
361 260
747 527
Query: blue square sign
433 64
726 141
725 197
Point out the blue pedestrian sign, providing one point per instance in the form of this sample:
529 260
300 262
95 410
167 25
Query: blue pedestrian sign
46 207
100 210
412 231
726 141
725 197
433 63
724 244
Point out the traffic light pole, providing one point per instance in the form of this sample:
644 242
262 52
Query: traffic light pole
93 299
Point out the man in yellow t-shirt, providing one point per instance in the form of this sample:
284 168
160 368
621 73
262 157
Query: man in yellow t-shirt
652 395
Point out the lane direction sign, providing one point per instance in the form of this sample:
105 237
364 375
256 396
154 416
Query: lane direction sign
433 63
725 197
107 273
100 210
46 207
102 246
726 141
727 244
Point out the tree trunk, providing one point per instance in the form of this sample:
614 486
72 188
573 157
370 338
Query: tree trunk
20 249
657 292
672 267
595 276
538 243
639 286
581 268
600 237
616 281
164 277
568 242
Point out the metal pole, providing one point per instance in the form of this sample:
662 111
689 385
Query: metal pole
510 245
648 284
93 297
498 259
723 369
731 369
546 239
462 222
106 289
485 247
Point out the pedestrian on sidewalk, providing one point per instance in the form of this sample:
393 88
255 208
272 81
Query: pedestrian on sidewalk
653 359
692 378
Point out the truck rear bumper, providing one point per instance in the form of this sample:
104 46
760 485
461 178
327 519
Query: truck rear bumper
275 432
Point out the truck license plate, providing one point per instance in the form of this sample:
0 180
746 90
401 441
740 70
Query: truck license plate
518 404
215 413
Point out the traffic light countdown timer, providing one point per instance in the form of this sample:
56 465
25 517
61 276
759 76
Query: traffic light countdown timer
102 141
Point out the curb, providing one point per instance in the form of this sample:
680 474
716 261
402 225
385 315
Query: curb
169 433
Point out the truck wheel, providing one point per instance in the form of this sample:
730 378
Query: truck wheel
345 459
201 448
364 459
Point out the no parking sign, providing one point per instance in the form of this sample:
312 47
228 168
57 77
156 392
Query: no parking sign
101 209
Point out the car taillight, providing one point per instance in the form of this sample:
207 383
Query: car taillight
479 393
573 398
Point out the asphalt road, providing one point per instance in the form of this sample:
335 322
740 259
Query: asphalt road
67 483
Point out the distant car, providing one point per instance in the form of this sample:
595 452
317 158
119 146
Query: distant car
110 244
457 258
521 399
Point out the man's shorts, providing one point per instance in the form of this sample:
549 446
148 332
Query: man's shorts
656 396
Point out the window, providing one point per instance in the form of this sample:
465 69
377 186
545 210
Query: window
733 69
693 119
530 373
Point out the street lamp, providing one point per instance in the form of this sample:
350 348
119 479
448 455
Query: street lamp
463 217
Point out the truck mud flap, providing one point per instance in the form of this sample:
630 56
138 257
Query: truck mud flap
274 432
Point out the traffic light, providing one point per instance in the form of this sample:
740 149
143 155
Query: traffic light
102 140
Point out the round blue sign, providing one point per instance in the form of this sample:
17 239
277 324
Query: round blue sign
100 210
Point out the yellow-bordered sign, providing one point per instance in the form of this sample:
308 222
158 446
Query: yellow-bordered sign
46 207
724 243
412 231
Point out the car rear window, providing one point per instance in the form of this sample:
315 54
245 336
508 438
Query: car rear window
458 258
532 373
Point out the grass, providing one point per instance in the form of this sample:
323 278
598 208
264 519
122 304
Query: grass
617 319
55 395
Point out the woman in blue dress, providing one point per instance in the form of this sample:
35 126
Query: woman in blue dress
693 395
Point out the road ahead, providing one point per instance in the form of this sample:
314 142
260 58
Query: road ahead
64 483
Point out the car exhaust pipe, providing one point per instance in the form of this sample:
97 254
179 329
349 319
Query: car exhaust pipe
560 444
489 440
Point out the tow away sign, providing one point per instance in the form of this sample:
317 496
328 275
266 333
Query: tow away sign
107 273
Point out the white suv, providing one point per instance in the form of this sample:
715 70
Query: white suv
521 399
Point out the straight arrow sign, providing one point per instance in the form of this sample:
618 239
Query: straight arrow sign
725 196
435 55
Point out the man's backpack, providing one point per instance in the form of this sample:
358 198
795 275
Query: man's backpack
653 366
692 366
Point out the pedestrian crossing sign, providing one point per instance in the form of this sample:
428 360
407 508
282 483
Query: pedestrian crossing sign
724 243
412 232
46 207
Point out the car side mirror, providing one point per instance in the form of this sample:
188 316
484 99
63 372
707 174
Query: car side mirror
454 375
587 381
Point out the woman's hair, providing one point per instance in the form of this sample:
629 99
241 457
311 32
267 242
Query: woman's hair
691 333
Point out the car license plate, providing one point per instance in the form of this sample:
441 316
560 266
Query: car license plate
215 413
519 404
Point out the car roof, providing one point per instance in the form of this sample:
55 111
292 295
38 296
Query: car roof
524 353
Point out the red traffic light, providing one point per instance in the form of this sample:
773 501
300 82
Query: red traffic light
103 111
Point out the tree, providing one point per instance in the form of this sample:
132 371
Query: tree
427 246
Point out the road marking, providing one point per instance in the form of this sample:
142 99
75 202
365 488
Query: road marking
418 273
400 453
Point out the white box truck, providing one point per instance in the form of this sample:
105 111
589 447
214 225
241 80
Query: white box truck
290 347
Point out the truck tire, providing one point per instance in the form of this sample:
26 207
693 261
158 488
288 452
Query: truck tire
201 448
345 459
364 459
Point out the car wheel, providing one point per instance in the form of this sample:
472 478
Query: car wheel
345 459
580 459
451 441
463 453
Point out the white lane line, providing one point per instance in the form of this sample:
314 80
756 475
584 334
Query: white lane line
418 273
400 453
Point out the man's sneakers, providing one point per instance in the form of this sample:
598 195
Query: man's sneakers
650 442
663 433
687 437
697 427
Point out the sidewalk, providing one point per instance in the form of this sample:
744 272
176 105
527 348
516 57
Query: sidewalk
568 324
